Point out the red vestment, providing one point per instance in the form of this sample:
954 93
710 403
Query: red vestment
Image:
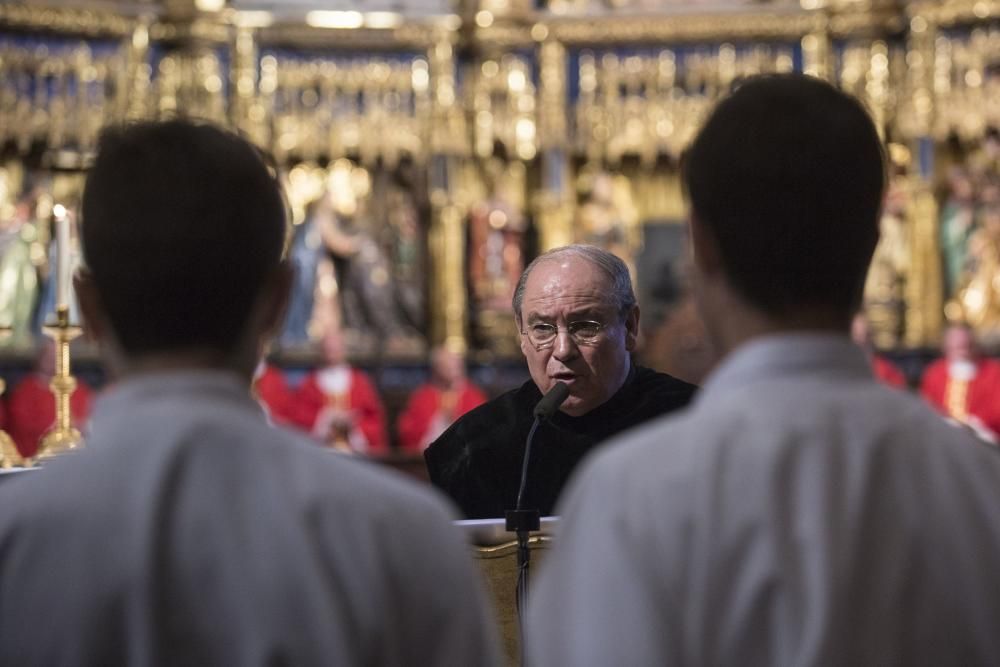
32 411
982 392
272 391
886 372
361 400
427 402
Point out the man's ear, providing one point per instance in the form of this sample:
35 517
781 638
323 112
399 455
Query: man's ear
521 337
704 248
91 305
275 296
632 329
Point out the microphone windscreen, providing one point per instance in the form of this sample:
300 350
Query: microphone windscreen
551 401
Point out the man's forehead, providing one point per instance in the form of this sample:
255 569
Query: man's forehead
570 289
563 277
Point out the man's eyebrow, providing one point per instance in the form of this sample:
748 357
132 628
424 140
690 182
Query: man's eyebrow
588 313
535 316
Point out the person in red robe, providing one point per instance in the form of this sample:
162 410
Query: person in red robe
964 385
271 390
433 406
339 405
9 456
884 370
887 373
31 406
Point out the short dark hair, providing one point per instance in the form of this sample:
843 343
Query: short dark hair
182 223
787 175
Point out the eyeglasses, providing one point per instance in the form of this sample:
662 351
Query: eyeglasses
583 332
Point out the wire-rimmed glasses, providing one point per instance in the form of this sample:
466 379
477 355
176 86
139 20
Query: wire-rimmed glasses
583 332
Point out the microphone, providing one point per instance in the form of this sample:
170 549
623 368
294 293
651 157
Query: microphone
551 401
543 410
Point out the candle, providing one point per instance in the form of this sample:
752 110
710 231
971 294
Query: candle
62 257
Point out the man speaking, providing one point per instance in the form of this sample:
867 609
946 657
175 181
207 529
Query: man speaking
578 319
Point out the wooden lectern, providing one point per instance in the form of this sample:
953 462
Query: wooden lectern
495 551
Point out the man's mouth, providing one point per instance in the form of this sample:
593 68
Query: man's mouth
568 378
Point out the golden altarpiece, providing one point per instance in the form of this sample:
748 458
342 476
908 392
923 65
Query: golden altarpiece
429 152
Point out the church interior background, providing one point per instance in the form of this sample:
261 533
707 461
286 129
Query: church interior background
431 148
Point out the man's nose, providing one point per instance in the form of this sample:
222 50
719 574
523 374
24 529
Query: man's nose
564 346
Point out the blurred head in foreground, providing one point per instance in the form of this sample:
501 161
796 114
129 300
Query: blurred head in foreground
785 183
183 228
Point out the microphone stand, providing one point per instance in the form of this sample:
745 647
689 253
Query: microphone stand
521 521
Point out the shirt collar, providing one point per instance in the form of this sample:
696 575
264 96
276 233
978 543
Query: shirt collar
767 357
200 386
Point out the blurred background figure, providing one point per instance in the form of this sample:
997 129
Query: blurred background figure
885 284
275 397
353 252
979 296
884 370
31 407
497 247
339 403
957 218
433 406
964 385
607 217
18 272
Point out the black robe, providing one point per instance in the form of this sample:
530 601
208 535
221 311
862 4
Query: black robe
477 461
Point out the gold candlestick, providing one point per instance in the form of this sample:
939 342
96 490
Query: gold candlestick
62 437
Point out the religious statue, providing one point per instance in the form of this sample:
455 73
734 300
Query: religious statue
345 279
980 296
496 255
18 271
984 158
607 216
885 285
957 217
398 215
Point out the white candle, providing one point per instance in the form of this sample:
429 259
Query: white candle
62 256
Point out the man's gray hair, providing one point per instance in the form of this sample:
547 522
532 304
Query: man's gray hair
616 271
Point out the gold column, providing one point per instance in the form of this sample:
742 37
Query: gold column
554 206
246 111
190 80
924 307
552 92
877 84
817 52
447 234
920 62
135 77
447 246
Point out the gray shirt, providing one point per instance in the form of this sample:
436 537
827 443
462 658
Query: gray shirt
190 532
798 514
